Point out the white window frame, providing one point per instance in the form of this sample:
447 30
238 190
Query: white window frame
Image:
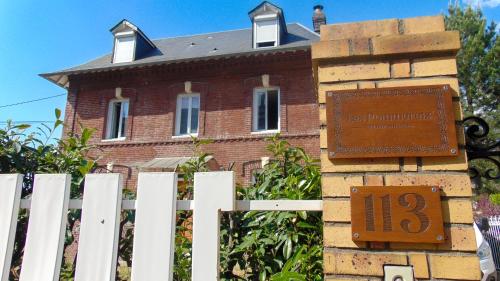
178 114
122 35
255 116
261 18
109 122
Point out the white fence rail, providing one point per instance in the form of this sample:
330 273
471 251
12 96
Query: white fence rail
155 207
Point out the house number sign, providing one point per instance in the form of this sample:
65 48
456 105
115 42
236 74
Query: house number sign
397 214
391 122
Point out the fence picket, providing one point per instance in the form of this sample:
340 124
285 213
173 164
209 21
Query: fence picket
154 238
493 238
98 244
10 197
213 192
43 250
154 233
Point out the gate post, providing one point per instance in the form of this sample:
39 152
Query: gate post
381 54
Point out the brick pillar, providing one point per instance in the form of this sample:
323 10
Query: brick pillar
393 53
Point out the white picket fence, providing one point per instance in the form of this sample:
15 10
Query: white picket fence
493 238
155 207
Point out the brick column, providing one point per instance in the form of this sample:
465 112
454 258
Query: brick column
393 53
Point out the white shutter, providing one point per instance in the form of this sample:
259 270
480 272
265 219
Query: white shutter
266 30
124 49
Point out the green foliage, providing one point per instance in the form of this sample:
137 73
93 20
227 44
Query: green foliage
478 60
495 198
261 245
33 152
276 245
478 64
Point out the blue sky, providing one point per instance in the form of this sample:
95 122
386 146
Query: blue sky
45 36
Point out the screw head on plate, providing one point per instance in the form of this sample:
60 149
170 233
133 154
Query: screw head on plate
439 238
354 189
434 189
332 153
453 151
355 235
330 94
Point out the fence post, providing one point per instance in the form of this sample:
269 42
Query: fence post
98 244
46 228
10 197
213 192
154 233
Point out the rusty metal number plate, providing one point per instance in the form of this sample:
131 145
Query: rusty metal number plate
396 214
391 122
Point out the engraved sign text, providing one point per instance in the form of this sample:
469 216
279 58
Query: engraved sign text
391 122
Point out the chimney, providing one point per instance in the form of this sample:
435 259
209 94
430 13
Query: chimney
319 18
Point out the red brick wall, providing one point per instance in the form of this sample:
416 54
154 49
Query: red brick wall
226 91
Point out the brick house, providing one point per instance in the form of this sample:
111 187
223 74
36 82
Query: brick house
148 97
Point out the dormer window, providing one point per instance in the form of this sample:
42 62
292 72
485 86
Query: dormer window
130 43
268 25
124 48
266 32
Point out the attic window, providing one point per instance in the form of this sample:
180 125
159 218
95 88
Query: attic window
266 32
124 48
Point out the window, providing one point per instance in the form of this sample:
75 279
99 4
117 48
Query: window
117 119
266 110
124 48
266 33
188 108
255 176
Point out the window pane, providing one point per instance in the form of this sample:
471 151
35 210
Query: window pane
194 120
272 110
115 119
184 102
261 111
195 103
184 121
124 118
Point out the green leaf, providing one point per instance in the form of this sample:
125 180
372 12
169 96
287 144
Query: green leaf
22 126
303 214
287 248
58 113
302 224
263 275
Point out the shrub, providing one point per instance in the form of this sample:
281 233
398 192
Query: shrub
264 245
38 152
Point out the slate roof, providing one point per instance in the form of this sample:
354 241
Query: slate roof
194 47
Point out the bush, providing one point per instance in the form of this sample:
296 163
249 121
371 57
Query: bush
38 152
264 245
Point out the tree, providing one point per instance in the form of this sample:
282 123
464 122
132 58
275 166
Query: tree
478 60
478 73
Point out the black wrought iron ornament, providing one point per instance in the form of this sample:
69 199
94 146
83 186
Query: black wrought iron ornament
479 146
